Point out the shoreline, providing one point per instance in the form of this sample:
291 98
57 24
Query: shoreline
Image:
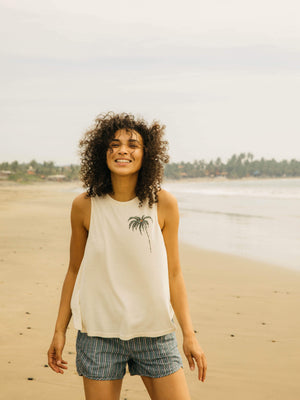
4 182
223 179
242 258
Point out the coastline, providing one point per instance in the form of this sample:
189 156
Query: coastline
224 179
245 312
4 182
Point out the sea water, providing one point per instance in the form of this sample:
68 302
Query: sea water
258 219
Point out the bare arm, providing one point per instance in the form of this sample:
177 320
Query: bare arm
178 292
177 286
77 246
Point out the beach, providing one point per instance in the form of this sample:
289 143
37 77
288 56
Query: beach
245 312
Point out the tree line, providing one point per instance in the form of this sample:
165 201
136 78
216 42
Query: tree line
35 171
237 166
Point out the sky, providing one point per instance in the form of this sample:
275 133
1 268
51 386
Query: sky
223 76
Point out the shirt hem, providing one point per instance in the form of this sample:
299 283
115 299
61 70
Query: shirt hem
128 337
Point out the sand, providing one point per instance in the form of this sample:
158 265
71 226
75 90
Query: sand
246 313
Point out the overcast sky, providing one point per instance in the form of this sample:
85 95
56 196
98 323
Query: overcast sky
222 75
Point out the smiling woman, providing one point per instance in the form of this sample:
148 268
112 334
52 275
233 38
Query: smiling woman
124 281
113 132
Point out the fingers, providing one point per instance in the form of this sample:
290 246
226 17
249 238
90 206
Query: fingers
52 363
202 367
55 361
191 362
205 367
193 351
61 365
204 372
57 366
201 364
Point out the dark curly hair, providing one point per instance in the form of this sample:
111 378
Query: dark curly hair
93 147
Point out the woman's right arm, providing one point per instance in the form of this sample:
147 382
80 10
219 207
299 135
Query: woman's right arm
77 246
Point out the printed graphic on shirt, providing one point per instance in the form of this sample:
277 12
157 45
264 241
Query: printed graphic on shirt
142 224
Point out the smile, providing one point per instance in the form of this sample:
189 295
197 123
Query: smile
122 161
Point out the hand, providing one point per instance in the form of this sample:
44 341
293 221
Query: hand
55 360
192 349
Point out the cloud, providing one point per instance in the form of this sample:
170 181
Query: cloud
223 73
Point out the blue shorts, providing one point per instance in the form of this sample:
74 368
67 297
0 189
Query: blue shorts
106 358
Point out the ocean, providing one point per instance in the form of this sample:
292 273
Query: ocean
254 218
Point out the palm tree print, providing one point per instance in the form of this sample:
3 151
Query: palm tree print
142 224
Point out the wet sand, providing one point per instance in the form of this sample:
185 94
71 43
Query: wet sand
246 313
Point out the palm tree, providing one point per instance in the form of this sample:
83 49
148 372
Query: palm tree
141 224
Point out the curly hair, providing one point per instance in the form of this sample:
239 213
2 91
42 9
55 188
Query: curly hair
93 147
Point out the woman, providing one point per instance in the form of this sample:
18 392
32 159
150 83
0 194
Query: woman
124 280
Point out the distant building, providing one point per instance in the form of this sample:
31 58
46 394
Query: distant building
4 174
31 170
57 178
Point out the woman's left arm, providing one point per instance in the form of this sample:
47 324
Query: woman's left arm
178 294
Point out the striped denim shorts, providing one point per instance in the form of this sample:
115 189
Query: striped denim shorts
102 358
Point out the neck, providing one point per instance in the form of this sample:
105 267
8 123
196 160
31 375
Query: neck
124 187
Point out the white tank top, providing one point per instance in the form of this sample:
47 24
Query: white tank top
122 286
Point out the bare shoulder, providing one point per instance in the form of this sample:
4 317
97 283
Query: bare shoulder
167 205
81 200
81 203
166 199
168 210
81 209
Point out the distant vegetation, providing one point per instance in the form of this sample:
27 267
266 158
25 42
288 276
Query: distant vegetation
34 171
238 166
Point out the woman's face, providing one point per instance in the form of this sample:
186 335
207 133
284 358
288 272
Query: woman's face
125 153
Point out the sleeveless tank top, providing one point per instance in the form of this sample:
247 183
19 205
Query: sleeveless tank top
122 286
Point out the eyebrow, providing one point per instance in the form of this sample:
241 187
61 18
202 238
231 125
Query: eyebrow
130 140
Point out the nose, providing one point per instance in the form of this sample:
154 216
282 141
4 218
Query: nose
123 149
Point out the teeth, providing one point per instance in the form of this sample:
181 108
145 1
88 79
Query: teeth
123 161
